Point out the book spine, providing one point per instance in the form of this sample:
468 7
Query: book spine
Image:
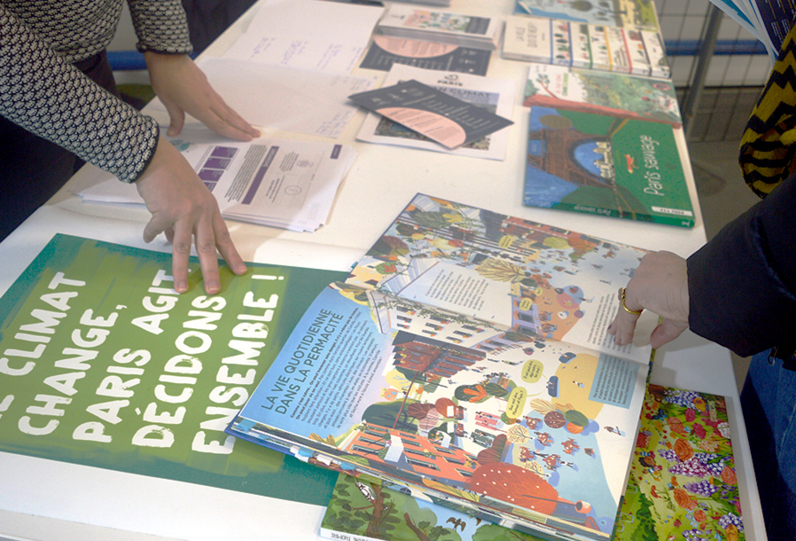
659 65
561 43
620 56
600 59
639 60
581 55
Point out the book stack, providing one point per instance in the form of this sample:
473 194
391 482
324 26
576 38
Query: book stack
441 27
683 486
465 358
585 45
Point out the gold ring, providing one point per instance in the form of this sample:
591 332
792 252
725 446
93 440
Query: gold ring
624 306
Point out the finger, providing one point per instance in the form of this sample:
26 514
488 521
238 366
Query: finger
217 123
226 247
180 256
176 118
624 324
667 331
153 228
208 261
231 117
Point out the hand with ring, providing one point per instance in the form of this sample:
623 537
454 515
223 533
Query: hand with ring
660 285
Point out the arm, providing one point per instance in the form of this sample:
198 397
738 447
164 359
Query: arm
162 30
737 290
57 102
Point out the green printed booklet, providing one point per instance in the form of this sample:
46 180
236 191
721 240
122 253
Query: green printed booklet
683 486
103 364
605 165
466 358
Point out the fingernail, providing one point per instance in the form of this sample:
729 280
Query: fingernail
181 286
213 287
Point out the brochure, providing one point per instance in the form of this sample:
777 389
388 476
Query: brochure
494 95
275 182
455 362
605 165
437 115
443 27
386 51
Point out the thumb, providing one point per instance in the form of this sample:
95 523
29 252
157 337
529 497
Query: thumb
176 117
667 331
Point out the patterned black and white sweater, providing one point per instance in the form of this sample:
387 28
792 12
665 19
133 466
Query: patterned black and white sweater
42 92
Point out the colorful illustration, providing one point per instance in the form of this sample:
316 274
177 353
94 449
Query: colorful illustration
682 483
631 14
389 375
682 486
105 365
602 93
540 281
601 164
360 508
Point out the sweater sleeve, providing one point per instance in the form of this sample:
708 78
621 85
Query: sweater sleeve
161 26
742 284
46 95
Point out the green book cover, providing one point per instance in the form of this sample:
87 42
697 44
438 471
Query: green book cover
605 165
103 364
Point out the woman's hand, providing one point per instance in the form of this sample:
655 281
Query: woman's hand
184 209
660 285
183 88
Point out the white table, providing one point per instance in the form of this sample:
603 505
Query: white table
45 500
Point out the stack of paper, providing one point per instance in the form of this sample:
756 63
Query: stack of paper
768 21
279 183
442 27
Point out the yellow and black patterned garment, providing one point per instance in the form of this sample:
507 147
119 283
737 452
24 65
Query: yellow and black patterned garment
768 146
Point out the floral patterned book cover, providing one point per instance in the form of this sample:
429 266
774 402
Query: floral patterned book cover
683 486
682 482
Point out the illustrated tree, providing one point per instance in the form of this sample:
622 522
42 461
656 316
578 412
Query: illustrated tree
382 514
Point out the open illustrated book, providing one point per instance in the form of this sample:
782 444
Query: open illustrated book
465 358
683 485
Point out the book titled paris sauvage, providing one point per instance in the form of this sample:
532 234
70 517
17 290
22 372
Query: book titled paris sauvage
460 349
606 165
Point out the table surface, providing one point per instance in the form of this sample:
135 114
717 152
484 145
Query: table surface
51 500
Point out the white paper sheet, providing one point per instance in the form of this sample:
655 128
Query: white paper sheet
496 95
307 34
280 183
279 98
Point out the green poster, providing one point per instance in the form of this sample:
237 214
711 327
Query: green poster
103 364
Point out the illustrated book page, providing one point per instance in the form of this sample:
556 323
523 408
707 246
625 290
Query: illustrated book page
602 92
452 358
